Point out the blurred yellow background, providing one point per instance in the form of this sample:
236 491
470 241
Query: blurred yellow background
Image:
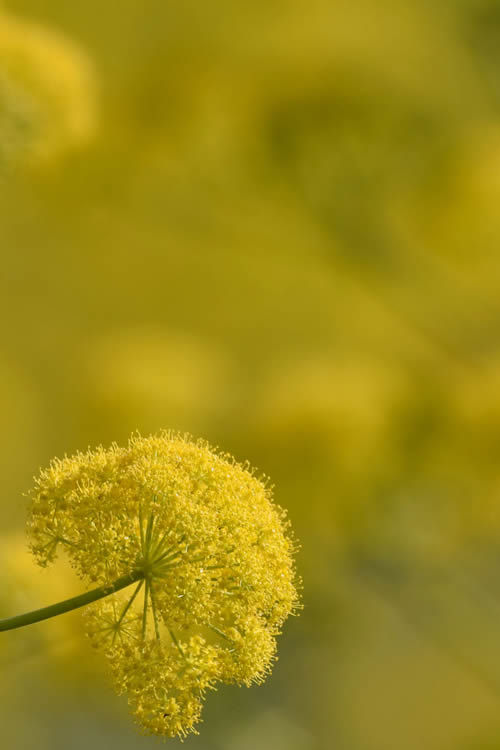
274 225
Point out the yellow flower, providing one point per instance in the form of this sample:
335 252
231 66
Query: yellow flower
211 559
47 92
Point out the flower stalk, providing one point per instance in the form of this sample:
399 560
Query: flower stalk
37 615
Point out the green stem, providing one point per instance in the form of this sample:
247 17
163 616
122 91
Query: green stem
28 618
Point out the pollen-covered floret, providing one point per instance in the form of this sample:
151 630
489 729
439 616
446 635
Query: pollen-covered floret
213 559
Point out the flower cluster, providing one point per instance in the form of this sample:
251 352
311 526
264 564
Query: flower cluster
212 563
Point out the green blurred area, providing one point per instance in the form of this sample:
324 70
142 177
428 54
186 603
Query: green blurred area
283 237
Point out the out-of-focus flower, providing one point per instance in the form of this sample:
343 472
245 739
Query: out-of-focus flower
47 92
345 408
155 377
211 559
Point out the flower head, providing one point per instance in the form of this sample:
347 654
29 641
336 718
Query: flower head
212 560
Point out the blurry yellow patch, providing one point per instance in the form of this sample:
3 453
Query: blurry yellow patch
47 92
154 378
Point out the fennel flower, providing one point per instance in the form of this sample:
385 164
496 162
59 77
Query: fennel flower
193 562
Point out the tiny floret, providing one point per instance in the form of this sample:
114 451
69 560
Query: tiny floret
210 557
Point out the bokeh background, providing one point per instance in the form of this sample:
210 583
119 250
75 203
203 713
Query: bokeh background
274 225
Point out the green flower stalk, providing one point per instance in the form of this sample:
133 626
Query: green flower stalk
191 562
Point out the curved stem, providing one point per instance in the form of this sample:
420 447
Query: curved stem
28 618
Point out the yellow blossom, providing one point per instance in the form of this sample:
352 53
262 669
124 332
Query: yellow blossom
47 92
211 559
